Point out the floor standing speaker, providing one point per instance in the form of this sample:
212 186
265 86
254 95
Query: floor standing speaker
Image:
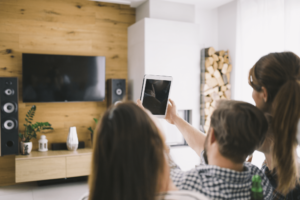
116 90
9 116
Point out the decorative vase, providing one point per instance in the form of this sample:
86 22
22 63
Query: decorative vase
72 141
26 148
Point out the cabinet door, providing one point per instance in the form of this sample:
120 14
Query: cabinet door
40 169
78 165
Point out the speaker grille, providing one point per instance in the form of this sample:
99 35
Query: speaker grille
9 92
9 116
9 107
116 90
9 124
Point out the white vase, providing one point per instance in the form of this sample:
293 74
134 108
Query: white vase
72 141
26 148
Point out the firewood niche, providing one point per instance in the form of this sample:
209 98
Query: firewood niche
215 81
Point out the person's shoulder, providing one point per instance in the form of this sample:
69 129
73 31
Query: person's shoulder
181 176
181 195
194 170
254 170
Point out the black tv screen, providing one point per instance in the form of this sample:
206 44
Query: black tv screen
62 78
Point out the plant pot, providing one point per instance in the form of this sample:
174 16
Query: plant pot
26 148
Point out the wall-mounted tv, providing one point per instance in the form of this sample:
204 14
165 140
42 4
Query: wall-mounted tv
63 78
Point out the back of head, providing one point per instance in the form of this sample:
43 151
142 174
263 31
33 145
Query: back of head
239 128
279 73
128 155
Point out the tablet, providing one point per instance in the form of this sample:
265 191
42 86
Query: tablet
155 94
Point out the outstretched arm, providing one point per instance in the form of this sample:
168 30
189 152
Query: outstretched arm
193 136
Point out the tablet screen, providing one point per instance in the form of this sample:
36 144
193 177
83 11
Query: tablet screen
156 96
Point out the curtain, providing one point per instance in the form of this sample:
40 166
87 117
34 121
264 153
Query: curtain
263 26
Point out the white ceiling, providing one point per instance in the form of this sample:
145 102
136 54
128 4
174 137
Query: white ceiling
205 4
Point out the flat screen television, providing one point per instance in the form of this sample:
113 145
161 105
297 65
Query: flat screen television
63 78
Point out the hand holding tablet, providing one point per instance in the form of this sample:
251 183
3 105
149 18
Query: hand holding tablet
155 94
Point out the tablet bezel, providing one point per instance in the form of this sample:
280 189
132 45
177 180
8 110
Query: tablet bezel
156 77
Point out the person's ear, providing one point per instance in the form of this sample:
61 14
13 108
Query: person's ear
212 136
265 94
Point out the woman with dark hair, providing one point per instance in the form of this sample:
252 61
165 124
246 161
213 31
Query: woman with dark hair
275 81
130 159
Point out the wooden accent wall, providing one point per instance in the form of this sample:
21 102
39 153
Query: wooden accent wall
69 27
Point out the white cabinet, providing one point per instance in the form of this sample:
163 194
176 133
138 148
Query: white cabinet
165 47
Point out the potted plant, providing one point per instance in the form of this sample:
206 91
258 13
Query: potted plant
92 130
31 130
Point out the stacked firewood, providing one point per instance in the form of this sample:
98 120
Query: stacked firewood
217 80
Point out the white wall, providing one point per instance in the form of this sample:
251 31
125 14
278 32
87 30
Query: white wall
208 27
172 49
143 11
169 44
136 59
172 11
163 47
168 47
160 9
227 38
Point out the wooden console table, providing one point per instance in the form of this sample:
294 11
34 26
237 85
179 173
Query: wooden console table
53 165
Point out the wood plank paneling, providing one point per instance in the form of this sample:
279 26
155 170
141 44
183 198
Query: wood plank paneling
69 27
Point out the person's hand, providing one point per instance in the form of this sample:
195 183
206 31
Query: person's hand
171 112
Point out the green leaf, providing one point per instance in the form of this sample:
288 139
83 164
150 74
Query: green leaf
96 120
90 129
30 128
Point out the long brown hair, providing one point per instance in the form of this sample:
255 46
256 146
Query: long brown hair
279 73
128 156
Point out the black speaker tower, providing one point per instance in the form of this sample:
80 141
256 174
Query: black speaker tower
116 90
9 116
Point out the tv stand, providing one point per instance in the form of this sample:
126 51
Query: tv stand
48 165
